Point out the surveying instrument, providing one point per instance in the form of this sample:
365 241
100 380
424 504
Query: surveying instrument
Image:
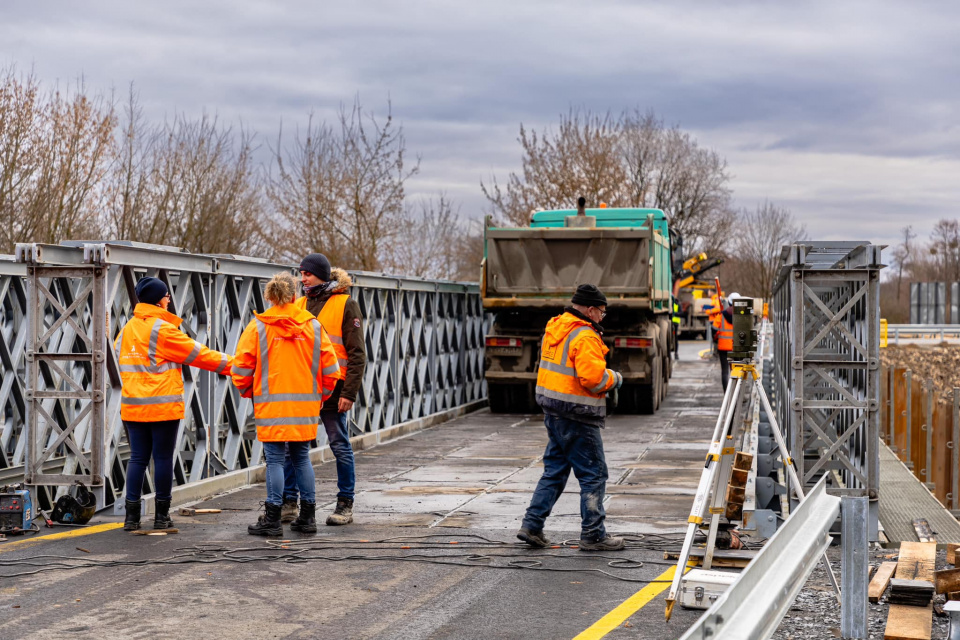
711 491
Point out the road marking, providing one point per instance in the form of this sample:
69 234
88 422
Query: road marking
628 607
29 542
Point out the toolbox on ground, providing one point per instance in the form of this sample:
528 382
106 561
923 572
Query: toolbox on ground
701 587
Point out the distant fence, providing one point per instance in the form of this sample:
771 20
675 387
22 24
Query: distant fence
935 303
923 428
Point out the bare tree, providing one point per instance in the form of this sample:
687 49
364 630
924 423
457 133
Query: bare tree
341 190
761 235
426 241
54 151
582 158
903 253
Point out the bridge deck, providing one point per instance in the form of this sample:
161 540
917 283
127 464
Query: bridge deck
470 477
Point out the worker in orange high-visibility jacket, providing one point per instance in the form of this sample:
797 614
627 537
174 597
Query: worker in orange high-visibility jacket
572 383
286 363
723 334
150 352
327 295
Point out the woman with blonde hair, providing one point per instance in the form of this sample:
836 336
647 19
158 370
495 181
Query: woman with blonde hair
286 363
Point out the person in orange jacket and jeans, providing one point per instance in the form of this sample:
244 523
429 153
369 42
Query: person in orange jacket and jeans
723 333
286 363
150 351
572 384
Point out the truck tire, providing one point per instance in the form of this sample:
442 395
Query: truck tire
509 398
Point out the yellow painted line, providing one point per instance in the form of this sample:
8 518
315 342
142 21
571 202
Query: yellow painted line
74 533
628 607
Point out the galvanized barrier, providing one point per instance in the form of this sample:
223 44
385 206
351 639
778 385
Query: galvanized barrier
826 316
424 343
754 605
927 334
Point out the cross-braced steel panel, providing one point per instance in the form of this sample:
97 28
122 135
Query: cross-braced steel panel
826 361
424 341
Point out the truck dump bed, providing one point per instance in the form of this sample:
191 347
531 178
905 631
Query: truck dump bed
541 267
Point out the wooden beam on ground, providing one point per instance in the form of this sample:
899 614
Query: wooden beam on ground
947 580
880 581
904 622
952 553
924 532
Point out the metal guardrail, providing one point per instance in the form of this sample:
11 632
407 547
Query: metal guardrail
826 316
753 606
922 333
424 344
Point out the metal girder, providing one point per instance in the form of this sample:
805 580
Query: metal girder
826 315
424 341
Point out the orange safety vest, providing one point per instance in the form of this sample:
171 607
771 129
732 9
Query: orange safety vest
287 364
331 317
724 332
573 378
150 351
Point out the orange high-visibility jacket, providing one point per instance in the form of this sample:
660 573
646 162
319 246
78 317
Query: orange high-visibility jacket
150 350
331 319
287 364
573 378
724 332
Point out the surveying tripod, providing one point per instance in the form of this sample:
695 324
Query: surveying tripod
719 462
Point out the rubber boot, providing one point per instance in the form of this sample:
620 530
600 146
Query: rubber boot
161 517
288 512
131 522
306 522
269 523
343 513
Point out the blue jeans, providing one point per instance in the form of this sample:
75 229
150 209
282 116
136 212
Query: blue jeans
298 453
577 446
157 439
335 425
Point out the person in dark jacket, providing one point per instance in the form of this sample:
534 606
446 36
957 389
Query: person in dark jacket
327 297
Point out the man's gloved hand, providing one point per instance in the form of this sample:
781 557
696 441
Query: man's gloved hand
619 381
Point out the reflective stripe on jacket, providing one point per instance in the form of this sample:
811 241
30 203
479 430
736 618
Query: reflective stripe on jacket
676 313
331 318
150 350
573 378
287 364
724 332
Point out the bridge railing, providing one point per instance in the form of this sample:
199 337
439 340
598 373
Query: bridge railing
60 396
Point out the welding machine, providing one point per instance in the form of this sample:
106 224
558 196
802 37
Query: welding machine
16 509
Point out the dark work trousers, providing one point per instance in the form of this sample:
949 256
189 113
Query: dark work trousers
724 368
676 341
157 439
577 446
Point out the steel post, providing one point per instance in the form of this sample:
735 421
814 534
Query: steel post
908 414
855 567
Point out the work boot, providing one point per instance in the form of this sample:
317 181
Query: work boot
161 517
269 523
343 513
608 543
306 522
131 522
288 512
533 538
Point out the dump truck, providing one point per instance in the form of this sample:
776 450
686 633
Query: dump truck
530 273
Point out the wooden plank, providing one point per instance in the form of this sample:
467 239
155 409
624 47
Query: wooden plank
909 623
917 561
947 580
924 532
952 553
880 581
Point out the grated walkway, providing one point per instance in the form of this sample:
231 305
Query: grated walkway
903 498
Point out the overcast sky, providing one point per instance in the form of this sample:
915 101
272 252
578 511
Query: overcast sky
844 112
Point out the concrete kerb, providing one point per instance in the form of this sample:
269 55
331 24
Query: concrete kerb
197 491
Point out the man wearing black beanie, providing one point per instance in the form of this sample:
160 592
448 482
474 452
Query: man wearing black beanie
572 385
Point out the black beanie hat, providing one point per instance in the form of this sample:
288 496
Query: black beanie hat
589 296
150 290
318 265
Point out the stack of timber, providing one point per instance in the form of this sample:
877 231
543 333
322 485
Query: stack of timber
918 593
917 564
